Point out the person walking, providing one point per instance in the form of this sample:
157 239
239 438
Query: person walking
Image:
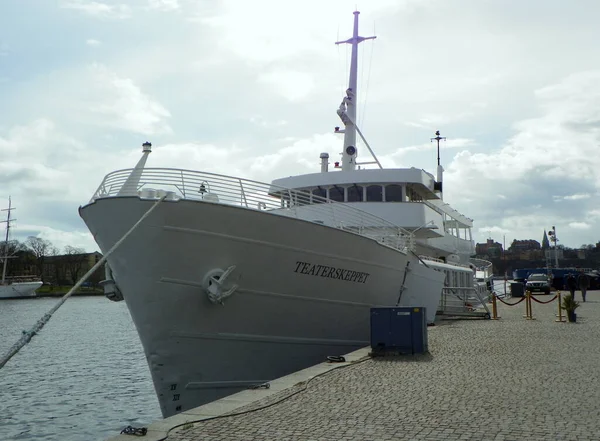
584 283
572 284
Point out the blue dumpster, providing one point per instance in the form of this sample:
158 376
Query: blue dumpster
399 329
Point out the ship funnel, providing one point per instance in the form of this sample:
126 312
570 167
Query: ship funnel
324 162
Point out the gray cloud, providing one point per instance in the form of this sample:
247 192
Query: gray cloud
224 87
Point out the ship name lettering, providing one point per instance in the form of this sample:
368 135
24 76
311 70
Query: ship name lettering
312 269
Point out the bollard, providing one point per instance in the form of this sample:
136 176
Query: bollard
559 315
494 307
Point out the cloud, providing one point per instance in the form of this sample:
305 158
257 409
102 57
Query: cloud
550 159
573 197
292 85
94 96
580 225
455 143
119 103
98 9
60 239
164 5
251 89
492 229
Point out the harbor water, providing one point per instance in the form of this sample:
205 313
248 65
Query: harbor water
83 378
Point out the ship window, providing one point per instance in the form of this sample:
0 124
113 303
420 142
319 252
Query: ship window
336 193
319 193
413 196
374 193
355 194
393 193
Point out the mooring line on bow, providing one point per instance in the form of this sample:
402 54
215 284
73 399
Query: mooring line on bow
28 335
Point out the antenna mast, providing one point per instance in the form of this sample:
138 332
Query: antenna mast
440 169
438 138
347 109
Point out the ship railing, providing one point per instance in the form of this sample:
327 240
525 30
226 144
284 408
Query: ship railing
175 184
21 279
464 300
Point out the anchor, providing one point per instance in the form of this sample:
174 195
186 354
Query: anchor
214 282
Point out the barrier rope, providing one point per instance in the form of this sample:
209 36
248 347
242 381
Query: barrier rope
28 335
510 304
543 303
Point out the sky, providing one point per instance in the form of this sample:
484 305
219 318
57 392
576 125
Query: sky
251 88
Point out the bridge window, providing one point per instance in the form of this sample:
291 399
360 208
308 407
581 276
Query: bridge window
336 193
393 193
319 193
374 193
355 194
413 196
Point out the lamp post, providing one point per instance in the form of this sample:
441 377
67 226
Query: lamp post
553 239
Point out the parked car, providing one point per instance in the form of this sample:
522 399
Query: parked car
538 282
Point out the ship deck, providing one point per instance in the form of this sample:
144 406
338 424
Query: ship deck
509 379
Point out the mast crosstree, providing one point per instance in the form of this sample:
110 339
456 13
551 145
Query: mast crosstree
347 109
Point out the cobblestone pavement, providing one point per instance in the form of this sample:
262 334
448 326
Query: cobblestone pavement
511 379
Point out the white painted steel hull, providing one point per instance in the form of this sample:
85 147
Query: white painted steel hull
278 321
19 290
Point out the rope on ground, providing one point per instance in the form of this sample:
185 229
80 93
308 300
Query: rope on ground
28 335
274 403
539 301
510 304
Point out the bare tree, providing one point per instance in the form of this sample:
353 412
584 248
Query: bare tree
74 261
57 267
14 246
40 248
11 251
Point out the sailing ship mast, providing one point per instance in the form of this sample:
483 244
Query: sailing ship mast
5 256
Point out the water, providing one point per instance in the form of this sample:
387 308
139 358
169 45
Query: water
83 378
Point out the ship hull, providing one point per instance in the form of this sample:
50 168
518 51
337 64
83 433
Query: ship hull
303 292
19 290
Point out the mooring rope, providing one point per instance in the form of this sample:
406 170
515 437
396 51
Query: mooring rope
28 335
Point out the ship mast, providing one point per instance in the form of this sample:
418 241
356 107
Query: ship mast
5 257
347 109
440 169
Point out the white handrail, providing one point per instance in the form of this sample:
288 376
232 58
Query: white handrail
254 195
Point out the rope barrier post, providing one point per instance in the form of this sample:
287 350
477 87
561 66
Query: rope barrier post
494 307
529 296
559 315
528 311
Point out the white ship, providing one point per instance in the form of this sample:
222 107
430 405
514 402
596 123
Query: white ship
232 282
17 286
